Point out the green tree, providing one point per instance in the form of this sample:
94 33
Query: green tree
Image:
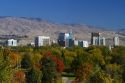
106 53
69 57
115 71
101 77
26 62
48 69
118 55
34 76
96 56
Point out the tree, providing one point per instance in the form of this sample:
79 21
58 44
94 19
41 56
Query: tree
59 64
34 76
52 67
118 55
9 64
106 53
101 77
96 56
83 72
48 68
115 71
26 62
19 77
69 57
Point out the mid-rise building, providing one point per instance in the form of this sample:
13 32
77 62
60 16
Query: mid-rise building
42 40
11 42
116 41
102 41
76 42
97 39
66 39
81 43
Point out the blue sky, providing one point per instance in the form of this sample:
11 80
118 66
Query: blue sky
101 13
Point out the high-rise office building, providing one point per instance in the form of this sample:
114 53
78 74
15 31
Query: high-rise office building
42 40
66 39
61 39
97 39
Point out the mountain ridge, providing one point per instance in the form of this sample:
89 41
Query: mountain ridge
37 26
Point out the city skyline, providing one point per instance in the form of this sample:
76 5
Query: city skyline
100 13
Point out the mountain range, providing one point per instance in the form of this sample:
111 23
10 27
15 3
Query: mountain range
32 27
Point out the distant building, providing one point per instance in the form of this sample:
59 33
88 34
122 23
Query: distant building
3 42
54 42
61 39
116 41
81 43
76 42
66 39
97 39
31 44
102 41
109 42
42 41
85 44
11 42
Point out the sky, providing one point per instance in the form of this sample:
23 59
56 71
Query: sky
100 13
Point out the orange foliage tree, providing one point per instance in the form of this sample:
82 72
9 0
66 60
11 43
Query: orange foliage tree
59 62
84 71
52 67
19 77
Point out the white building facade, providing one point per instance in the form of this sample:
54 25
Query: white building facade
97 39
116 41
42 40
11 42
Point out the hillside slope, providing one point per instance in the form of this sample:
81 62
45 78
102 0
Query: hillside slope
35 26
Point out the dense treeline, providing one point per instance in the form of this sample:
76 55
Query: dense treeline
95 64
